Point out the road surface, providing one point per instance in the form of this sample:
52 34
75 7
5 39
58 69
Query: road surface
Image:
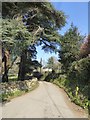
46 101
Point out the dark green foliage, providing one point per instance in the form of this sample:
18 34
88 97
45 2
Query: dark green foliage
38 75
77 70
80 96
42 11
27 65
51 76
41 19
70 47
27 23
80 72
17 39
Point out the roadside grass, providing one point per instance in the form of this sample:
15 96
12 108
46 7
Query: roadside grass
13 77
75 95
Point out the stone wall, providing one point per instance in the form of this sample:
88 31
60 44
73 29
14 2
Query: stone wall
10 88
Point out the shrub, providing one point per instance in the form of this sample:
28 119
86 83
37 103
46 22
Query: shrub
79 72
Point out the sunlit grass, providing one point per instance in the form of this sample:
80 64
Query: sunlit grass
13 77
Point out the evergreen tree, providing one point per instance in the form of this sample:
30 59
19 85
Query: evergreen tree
39 21
70 45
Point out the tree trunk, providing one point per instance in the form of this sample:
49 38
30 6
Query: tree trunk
22 68
5 75
0 61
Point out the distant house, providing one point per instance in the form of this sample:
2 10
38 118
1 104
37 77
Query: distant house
45 69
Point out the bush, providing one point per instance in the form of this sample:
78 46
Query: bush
78 96
79 72
51 76
38 75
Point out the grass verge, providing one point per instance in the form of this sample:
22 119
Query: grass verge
77 98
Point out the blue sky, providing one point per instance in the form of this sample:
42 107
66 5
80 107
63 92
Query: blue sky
69 0
76 12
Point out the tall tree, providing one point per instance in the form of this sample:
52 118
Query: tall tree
50 63
70 46
42 25
53 63
0 58
15 38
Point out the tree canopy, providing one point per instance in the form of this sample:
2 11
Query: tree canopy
26 24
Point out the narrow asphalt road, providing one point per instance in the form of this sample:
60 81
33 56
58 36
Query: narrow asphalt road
47 101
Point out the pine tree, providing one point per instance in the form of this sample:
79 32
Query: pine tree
70 45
